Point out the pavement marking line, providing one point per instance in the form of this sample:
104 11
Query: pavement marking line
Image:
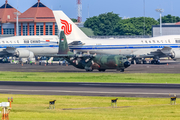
128 85
94 92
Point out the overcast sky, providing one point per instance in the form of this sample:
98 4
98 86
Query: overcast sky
125 8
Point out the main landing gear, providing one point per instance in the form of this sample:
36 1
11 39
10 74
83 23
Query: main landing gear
122 70
143 61
102 70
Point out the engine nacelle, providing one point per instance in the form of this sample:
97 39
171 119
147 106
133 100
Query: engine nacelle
24 54
175 54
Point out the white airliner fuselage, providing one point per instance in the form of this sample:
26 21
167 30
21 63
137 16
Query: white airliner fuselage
131 46
28 46
155 47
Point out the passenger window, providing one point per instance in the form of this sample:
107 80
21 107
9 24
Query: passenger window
142 41
165 41
149 41
7 42
154 41
17 41
162 41
158 41
146 41
169 41
3 42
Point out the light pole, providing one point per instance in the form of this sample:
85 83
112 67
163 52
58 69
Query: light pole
17 16
160 11
17 25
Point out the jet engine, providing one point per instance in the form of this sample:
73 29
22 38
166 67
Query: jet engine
24 54
175 54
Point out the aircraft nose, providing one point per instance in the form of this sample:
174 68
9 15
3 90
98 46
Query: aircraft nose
127 64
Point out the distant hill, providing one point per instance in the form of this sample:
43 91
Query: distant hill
87 31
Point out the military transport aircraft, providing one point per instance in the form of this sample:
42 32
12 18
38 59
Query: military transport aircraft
90 62
138 48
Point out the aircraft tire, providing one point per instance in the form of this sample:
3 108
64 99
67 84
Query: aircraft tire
144 62
87 70
102 70
122 70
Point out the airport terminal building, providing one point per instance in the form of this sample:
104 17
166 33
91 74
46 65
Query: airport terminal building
37 20
167 29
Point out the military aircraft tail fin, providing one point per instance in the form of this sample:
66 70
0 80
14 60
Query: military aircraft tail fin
72 31
63 46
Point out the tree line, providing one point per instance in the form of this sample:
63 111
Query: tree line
111 24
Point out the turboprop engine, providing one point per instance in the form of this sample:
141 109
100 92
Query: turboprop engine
24 54
175 55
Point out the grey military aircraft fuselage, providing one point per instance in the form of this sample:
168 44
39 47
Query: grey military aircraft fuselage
90 62
100 62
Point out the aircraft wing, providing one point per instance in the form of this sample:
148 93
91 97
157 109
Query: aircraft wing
70 55
164 52
10 50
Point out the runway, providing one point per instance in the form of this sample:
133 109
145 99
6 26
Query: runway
90 89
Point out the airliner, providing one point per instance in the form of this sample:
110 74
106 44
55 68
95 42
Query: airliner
137 48
28 46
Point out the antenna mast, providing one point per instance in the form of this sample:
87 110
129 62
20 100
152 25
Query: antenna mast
79 11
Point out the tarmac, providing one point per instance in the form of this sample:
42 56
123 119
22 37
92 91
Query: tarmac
91 89
164 67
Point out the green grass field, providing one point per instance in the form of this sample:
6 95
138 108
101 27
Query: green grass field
90 77
35 107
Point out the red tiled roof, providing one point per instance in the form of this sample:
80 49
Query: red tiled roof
7 13
37 13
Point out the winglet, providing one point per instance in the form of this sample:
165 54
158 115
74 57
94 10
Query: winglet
63 46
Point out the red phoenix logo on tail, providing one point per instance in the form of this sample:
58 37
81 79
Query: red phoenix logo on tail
67 27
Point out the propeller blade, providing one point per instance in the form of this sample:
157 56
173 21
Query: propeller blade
87 60
76 62
92 62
